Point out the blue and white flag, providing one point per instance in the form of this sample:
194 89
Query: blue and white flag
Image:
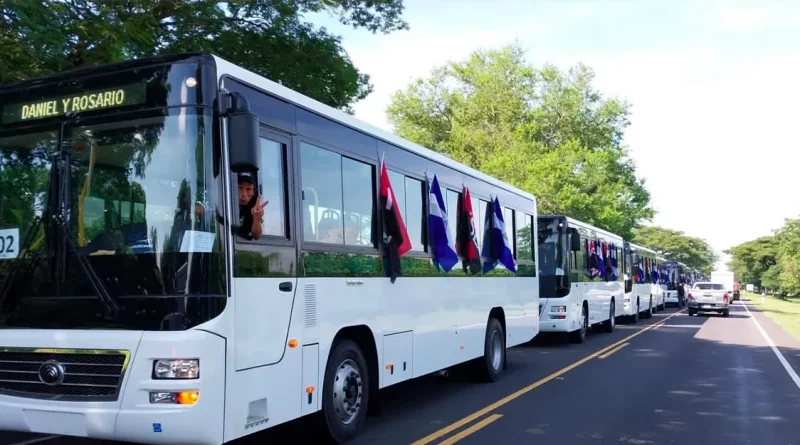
612 256
601 260
496 248
440 241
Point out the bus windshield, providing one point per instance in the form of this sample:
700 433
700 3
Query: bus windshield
109 214
552 244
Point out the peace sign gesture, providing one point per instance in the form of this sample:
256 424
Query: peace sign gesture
258 209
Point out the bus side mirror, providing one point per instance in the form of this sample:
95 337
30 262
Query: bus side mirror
635 258
243 143
574 240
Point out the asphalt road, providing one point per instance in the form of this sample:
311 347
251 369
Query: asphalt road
674 379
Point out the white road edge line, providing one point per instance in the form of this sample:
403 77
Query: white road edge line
778 353
37 440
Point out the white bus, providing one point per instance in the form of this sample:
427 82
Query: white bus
575 291
676 273
643 294
132 309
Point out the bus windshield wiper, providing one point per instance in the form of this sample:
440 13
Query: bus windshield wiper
109 302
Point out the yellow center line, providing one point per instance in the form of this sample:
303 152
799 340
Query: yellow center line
471 429
480 413
613 351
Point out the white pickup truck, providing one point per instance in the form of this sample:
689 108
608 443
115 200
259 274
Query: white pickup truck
706 296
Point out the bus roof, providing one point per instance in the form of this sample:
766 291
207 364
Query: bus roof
584 225
646 249
106 68
225 67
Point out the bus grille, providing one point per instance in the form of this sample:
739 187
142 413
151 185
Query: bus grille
80 376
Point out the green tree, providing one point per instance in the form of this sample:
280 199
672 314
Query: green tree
268 37
771 278
789 257
676 246
752 259
545 131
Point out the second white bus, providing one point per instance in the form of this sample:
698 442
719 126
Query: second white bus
573 293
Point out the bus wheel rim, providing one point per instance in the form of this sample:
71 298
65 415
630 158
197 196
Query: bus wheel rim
347 392
497 350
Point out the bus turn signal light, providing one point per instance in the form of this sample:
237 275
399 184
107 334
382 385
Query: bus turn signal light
188 397
175 398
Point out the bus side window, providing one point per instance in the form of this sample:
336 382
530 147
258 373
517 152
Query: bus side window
272 186
338 198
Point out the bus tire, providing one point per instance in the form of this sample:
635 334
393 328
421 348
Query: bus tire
494 352
609 324
635 316
650 309
579 336
346 392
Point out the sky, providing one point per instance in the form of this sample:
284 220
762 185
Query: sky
712 84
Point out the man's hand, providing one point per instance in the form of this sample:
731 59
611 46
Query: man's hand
258 209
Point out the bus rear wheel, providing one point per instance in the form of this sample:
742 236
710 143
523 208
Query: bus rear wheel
494 352
346 392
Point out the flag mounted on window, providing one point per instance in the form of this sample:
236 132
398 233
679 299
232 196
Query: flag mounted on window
395 237
601 262
496 248
594 270
440 241
466 246
639 273
612 256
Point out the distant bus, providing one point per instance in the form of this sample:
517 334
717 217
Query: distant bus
575 294
144 298
643 293
676 273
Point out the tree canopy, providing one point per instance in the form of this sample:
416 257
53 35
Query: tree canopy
541 129
770 261
268 37
676 246
752 259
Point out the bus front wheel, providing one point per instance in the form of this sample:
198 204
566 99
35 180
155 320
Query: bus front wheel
346 391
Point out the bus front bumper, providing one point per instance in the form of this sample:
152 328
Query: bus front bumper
129 413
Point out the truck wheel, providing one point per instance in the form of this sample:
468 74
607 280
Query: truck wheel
346 392
726 312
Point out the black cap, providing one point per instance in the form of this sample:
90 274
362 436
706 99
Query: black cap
246 177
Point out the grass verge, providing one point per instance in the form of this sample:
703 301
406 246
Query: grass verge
785 312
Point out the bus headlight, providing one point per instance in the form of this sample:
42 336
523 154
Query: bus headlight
558 309
176 369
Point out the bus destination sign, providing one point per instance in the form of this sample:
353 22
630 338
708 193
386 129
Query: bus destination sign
57 106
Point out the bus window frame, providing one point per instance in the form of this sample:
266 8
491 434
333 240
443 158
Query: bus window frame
377 218
288 194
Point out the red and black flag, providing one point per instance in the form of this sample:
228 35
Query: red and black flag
395 237
466 246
